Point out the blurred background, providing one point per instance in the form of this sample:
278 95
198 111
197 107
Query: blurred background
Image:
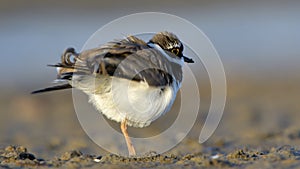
258 43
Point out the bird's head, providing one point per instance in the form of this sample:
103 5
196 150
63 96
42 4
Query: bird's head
170 42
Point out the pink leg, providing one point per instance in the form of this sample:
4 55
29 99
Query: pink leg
127 138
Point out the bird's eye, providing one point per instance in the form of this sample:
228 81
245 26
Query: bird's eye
175 51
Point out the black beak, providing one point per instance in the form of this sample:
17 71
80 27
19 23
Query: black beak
188 60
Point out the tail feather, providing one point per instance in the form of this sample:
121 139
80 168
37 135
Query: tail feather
66 69
53 88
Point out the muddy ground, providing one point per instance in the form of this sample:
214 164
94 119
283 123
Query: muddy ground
260 129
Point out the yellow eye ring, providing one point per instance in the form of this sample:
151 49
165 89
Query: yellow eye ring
175 51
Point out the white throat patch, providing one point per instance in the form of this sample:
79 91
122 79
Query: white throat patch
179 61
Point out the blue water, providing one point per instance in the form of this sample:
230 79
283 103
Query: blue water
251 37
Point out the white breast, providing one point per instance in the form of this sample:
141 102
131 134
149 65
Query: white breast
139 103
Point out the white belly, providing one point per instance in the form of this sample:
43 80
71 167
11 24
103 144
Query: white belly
139 103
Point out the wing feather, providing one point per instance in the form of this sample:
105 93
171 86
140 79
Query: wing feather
130 58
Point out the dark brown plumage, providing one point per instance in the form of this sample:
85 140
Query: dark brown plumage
122 58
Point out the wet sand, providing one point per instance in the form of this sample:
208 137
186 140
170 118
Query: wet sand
260 129
276 157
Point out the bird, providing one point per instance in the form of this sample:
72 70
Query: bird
152 69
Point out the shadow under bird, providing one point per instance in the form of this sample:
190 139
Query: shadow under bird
130 81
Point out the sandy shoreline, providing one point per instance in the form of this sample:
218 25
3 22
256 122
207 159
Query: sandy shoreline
276 157
260 129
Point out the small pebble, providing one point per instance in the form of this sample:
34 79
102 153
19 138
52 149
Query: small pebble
24 156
